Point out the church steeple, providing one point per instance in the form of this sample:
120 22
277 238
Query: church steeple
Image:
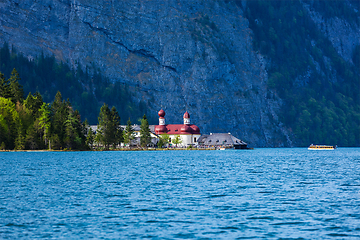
186 118
161 114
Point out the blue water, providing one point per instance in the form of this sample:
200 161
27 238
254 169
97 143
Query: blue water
264 193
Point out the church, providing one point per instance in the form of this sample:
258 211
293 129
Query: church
189 133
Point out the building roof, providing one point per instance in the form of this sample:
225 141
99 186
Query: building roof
135 127
175 129
186 115
161 113
220 139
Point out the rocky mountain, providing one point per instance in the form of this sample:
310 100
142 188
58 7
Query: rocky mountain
177 55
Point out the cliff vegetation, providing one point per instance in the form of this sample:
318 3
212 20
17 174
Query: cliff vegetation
320 89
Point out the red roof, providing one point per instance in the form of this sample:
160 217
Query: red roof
186 115
174 129
161 113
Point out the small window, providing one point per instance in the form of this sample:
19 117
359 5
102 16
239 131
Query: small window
209 140
217 140
225 141
194 139
176 130
169 139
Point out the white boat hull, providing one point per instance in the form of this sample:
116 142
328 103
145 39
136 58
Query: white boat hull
321 149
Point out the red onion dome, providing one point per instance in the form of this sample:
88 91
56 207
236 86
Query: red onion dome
186 129
161 113
186 115
159 129
195 129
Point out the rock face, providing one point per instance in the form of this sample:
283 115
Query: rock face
343 35
178 55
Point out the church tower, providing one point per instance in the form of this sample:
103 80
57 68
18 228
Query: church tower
186 118
161 117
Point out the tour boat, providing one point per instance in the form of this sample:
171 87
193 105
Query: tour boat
321 147
225 148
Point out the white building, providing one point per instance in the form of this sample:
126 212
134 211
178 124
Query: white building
188 133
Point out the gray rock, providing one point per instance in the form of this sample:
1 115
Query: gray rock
178 55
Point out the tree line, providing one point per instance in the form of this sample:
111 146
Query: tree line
85 86
30 123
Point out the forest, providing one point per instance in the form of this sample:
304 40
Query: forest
325 108
32 124
85 86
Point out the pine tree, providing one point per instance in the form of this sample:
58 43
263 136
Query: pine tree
129 133
90 138
104 126
44 121
60 112
34 103
4 87
88 133
116 134
10 123
98 137
80 139
32 138
71 135
145 137
20 139
16 90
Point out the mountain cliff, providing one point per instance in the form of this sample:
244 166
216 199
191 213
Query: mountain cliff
179 55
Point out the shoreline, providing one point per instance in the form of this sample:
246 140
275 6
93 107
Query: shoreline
123 150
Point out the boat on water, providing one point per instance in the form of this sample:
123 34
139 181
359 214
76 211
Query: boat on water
321 147
225 148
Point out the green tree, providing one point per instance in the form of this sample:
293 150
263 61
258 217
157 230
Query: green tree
60 112
55 142
163 140
44 121
109 126
16 90
129 133
177 140
4 87
24 122
20 139
145 137
34 103
104 126
10 124
32 140
89 134
116 136
98 137
90 138
72 138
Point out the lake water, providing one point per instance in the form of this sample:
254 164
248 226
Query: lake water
262 193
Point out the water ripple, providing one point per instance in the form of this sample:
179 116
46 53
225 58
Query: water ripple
265 193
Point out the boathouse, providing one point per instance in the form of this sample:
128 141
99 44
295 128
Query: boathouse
219 140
